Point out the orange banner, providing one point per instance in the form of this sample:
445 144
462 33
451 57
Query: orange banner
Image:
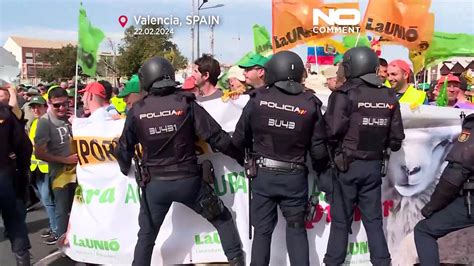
406 22
292 21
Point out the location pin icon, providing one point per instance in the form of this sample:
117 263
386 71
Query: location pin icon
123 20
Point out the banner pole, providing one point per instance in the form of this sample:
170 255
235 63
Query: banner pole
357 40
75 87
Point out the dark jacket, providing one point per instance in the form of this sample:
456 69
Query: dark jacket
364 119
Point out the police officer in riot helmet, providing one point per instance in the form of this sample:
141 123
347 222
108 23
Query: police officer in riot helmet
450 206
166 123
363 120
280 124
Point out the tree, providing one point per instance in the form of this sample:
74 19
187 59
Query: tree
63 63
138 47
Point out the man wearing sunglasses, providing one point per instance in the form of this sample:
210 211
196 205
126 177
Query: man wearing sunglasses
53 145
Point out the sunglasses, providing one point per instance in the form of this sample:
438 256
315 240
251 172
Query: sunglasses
63 104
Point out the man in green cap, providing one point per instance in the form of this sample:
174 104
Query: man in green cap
254 71
131 93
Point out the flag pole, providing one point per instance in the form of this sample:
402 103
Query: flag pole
357 40
77 66
75 85
316 55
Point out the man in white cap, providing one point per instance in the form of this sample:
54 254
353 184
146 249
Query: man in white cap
237 79
330 74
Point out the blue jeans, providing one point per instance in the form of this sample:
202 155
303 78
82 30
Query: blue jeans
63 198
43 182
12 215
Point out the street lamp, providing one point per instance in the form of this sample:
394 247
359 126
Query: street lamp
199 8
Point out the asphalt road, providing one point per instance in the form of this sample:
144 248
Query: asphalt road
37 221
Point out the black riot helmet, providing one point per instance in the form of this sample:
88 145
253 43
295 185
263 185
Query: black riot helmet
359 61
285 71
156 74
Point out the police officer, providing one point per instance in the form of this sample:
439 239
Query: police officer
363 119
166 123
280 124
446 211
15 155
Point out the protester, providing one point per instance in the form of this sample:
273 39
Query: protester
118 102
398 75
8 96
330 73
15 153
63 85
108 95
39 169
237 79
42 89
254 71
189 85
382 70
95 101
131 92
206 73
53 144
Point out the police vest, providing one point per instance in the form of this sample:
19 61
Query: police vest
157 118
413 96
463 147
282 124
42 165
370 116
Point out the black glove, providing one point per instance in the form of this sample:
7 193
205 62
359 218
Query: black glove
321 165
444 194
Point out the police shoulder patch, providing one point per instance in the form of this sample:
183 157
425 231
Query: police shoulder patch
464 136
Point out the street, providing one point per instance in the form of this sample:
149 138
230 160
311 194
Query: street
36 221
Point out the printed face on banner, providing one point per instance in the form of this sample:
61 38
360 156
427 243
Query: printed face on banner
417 166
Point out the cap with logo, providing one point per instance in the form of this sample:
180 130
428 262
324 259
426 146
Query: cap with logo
132 86
37 99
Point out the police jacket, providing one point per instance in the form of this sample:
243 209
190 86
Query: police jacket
282 126
364 118
15 148
154 120
463 148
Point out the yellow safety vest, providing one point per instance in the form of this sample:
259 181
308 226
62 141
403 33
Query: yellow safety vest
413 96
42 165
119 104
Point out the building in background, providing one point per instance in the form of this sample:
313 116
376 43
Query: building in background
9 71
454 65
26 52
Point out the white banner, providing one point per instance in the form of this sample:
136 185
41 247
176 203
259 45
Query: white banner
104 218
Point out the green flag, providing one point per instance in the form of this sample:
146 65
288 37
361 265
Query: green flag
89 40
349 41
445 45
261 40
442 99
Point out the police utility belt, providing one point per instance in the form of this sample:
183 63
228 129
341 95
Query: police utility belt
269 163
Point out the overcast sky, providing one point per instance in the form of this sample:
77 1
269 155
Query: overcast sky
57 19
